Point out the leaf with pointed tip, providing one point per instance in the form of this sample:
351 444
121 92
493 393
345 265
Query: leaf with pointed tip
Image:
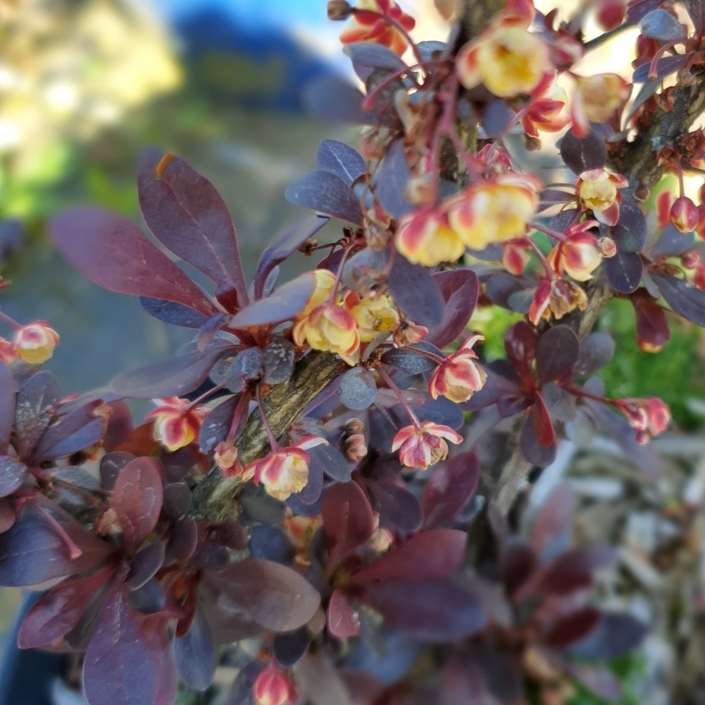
393 175
172 313
416 292
7 405
685 299
662 26
450 488
368 56
274 596
348 519
195 656
333 98
291 239
664 67
137 500
340 158
174 377
652 328
115 254
326 193
286 302
460 289
556 353
36 401
186 214
672 243
342 619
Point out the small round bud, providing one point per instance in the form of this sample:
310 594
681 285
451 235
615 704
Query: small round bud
339 10
691 259
608 247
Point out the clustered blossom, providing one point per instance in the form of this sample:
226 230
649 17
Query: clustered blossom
366 25
176 422
33 343
274 687
424 444
555 298
458 377
597 99
648 417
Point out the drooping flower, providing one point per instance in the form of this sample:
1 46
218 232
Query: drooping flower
548 110
495 210
366 25
579 255
285 471
458 377
506 58
598 191
684 215
325 281
176 423
424 445
408 333
374 315
426 237
35 343
274 687
648 417
225 458
515 256
555 299
596 98
330 328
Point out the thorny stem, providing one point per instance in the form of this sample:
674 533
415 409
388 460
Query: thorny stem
273 444
397 392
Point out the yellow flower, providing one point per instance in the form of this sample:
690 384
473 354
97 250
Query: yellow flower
373 315
325 280
176 423
598 190
425 237
35 342
495 210
332 329
596 99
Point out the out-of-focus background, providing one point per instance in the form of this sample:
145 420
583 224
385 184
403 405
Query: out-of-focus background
90 89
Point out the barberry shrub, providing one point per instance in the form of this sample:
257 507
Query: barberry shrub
309 479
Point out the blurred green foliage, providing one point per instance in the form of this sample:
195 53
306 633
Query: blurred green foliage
628 670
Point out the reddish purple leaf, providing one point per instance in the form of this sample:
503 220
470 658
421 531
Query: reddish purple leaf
623 272
55 614
342 619
615 635
272 595
583 154
348 519
145 564
115 254
290 241
554 517
7 405
517 563
12 474
125 661
630 232
7 514
685 299
556 353
459 289
534 451
430 555
520 343
74 431
438 611
328 194
664 67
174 377
416 292
172 313
652 330
340 158
285 303
36 401
137 500
392 177
595 352
186 213
672 243
195 655
696 10
572 627
450 488
396 505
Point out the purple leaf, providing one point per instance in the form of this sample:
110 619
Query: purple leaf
459 289
358 389
216 425
534 451
554 517
271 543
290 241
367 57
450 488
340 158
651 323
174 377
435 610
332 462
583 154
246 366
186 214
343 621
629 234
326 193
517 563
115 254
123 663
333 98
430 555
290 647
623 272
278 361
145 564
413 363
396 505
172 313
137 500
195 656
55 614
182 540
613 636
696 10
572 570
496 118
685 299
285 303
598 680
595 352
110 466
640 8
664 67
7 405
36 401
392 177
12 475
348 519
672 243
556 353
240 692
274 596
416 292
662 26
74 431
571 628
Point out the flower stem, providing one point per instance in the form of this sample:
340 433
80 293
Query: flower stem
407 407
561 237
203 396
10 321
400 28
544 262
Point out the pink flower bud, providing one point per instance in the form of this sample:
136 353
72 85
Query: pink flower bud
684 214
691 259
370 27
424 445
649 417
35 342
274 687
578 256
